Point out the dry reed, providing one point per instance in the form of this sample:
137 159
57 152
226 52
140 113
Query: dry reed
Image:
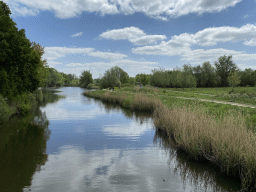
226 142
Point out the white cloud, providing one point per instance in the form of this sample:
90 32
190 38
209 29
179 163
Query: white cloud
107 55
53 63
132 67
206 37
252 42
132 34
181 44
77 34
53 53
199 56
170 48
159 9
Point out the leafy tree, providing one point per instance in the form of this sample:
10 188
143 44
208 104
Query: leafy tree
197 71
234 79
132 80
18 59
42 71
114 77
160 78
225 66
248 77
85 79
208 75
142 78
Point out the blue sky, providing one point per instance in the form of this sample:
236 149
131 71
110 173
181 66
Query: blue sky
138 35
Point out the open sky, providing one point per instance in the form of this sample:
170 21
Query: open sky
138 35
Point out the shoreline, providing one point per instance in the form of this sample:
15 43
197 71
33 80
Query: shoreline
225 142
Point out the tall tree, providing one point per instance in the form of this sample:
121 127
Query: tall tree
85 79
225 66
114 77
19 62
208 75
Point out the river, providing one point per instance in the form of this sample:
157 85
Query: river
71 143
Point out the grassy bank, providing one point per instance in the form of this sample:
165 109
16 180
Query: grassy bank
18 105
225 139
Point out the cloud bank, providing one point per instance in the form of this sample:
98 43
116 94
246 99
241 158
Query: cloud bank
158 9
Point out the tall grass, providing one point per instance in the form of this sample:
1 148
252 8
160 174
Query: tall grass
225 141
137 102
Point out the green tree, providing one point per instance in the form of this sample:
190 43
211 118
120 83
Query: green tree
234 79
208 75
132 80
142 78
160 78
18 59
85 79
114 77
41 70
225 66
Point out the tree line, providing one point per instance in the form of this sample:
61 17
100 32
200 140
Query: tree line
223 73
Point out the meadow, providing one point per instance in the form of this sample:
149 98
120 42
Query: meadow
220 133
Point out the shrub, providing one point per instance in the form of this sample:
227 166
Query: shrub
4 110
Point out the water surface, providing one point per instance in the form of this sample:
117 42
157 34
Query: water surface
80 144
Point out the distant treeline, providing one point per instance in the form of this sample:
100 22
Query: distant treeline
223 73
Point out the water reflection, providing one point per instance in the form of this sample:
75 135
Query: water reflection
94 146
201 175
23 146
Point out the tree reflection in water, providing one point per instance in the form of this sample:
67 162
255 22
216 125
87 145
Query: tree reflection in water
23 145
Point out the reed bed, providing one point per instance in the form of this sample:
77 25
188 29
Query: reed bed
226 141
137 102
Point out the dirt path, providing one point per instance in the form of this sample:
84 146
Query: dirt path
222 102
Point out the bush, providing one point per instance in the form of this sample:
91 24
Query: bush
25 102
5 111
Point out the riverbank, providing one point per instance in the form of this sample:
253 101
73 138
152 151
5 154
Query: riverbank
19 105
226 139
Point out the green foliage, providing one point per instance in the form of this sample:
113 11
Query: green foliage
160 78
18 59
127 103
248 77
25 102
85 79
225 66
114 77
4 110
132 80
234 79
4 85
142 79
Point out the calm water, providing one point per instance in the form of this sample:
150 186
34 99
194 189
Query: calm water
75 144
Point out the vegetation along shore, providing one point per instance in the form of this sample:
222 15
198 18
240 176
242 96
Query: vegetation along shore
223 135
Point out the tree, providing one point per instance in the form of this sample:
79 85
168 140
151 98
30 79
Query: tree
85 79
114 77
20 63
225 66
132 80
160 78
142 78
208 75
41 71
234 79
